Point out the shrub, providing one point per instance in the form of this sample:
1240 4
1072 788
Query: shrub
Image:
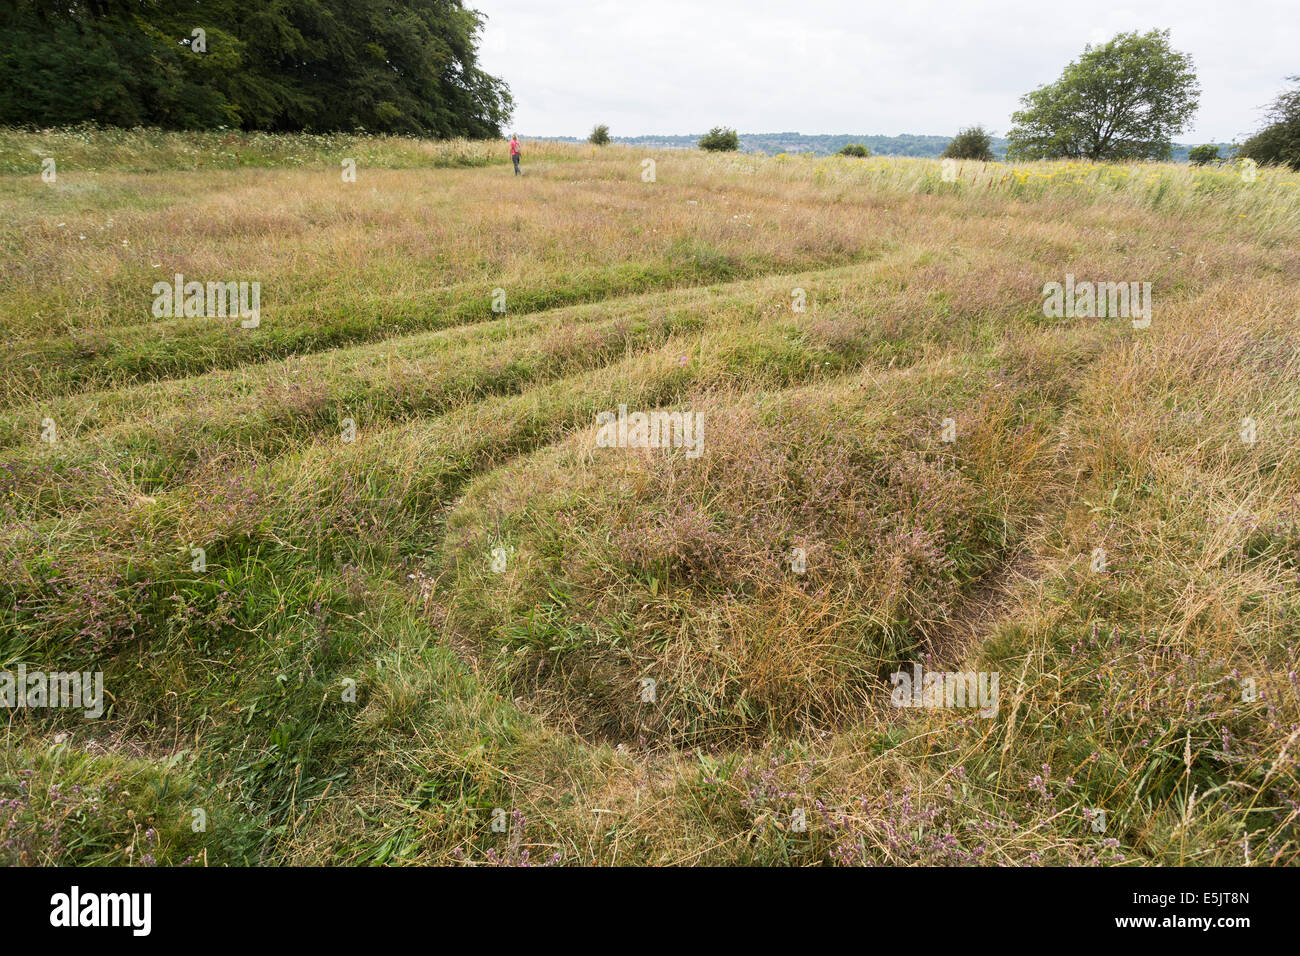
855 149
970 143
599 135
720 139
1203 155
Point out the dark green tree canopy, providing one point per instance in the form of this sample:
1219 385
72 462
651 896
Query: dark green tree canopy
1278 143
1123 100
393 66
970 143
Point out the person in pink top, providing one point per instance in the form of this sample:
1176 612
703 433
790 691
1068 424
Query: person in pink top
514 152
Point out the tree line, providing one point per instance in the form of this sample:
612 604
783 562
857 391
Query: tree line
411 67
381 66
1121 101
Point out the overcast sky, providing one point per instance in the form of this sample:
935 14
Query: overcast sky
855 66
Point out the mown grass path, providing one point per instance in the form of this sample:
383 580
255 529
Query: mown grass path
278 543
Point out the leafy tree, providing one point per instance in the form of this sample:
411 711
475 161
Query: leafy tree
599 135
397 66
970 143
1279 142
1122 100
855 149
1203 155
102 60
720 139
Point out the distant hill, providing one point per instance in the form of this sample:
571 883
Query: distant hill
825 144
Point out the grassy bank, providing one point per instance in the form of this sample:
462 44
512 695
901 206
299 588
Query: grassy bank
365 587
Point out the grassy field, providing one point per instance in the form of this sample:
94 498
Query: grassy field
365 587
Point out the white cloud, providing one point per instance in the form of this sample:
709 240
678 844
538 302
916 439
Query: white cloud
839 66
